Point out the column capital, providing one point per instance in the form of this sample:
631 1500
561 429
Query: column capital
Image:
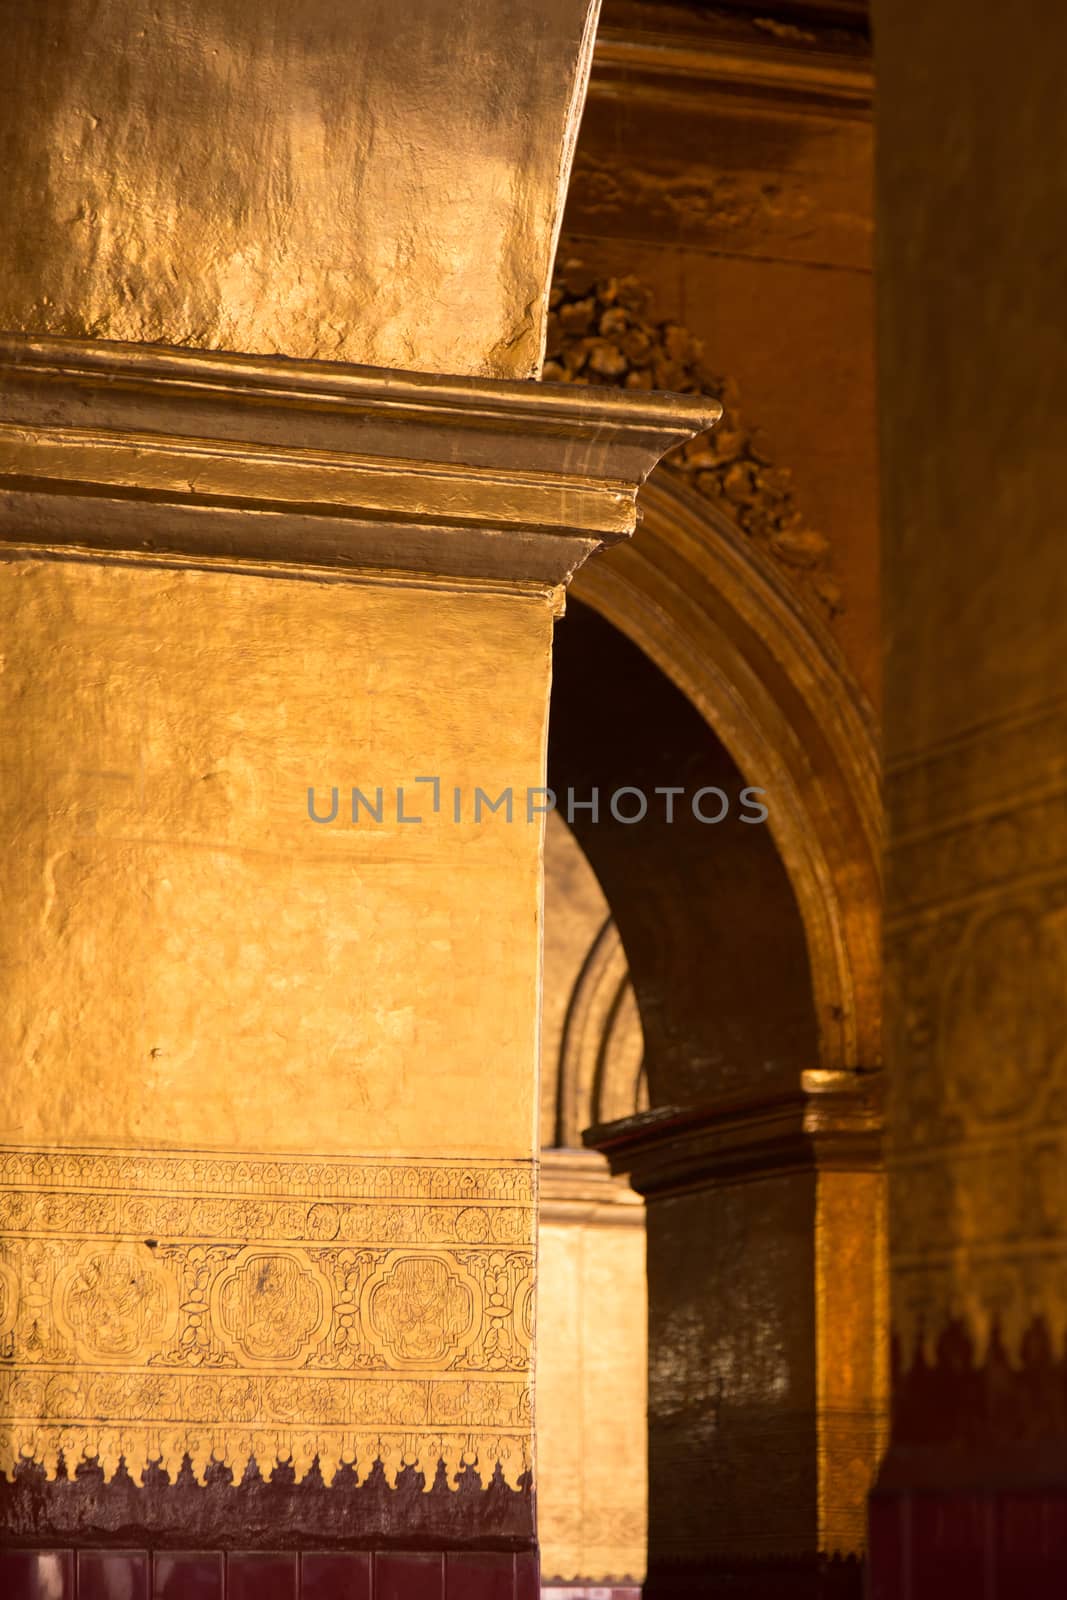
830 1121
182 455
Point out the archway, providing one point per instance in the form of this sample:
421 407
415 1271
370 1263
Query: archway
718 619
690 657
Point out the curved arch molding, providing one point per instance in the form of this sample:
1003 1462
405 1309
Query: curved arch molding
717 616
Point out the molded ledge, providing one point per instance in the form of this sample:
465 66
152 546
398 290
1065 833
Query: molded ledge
163 452
831 1120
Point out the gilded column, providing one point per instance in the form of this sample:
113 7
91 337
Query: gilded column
273 813
277 649
766 1398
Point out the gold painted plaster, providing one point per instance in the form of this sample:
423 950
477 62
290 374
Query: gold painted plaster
212 999
592 1380
198 967
187 936
592 1355
974 478
164 1303
851 1349
348 182
977 966
146 450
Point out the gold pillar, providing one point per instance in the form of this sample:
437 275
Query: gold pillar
766 1268
269 1125
346 180
592 1353
268 1165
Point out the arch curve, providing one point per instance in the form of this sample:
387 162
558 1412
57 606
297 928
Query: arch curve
716 616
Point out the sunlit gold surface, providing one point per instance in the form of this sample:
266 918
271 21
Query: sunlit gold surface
271 983
592 1343
852 1349
341 181
198 965
212 1001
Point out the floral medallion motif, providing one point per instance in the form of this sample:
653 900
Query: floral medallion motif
272 1306
116 1302
421 1310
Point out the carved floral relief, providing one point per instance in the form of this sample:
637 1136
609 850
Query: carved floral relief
155 1305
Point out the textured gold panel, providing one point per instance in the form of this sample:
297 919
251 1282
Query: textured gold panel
977 966
158 1304
338 181
851 1349
197 962
592 1372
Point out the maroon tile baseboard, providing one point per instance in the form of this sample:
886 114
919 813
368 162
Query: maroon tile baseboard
112 1575
399 1576
263 1575
188 1575
37 1574
479 1576
258 1575
334 1575
966 1545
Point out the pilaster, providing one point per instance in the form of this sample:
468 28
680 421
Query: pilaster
764 1222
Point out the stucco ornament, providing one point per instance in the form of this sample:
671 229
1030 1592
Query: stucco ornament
603 330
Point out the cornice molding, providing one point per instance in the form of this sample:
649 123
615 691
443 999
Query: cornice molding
154 451
576 1186
830 1121
655 67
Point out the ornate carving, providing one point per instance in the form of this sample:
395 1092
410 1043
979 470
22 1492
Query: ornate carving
9 1301
420 1311
602 331
115 1302
271 1306
1000 1004
221 1307
976 961
168 1174
703 203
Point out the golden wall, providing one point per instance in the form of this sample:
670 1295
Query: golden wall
269 1151
592 1343
971 397
269 1136
976 730
344 182
214 1000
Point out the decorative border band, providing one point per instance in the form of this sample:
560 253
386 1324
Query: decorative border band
213 1307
